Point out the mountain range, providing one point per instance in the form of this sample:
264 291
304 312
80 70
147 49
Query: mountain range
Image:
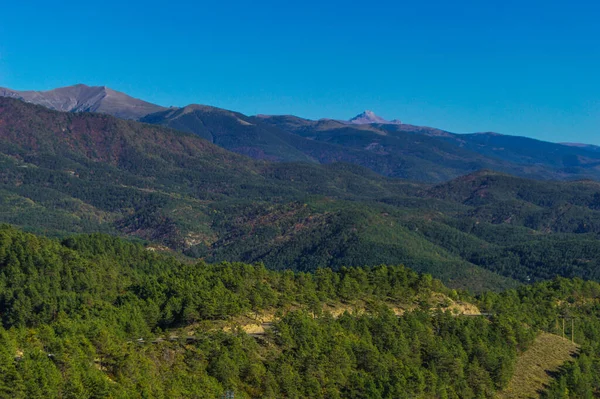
64 172
396 150
390 148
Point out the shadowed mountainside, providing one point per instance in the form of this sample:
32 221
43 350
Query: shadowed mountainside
390 148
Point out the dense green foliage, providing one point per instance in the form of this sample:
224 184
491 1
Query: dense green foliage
544 306
62 173
72 311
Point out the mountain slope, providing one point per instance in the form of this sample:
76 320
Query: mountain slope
233 131
95 316
390 148
397 150
82 98
536 366
325 142
436 155
65 172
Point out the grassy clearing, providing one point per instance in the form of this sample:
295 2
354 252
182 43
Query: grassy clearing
533 368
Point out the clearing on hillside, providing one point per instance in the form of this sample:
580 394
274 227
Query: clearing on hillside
547 354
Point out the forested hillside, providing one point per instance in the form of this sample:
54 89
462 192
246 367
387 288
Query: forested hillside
392 149
546 306
432 155
230 231
73 313
63 173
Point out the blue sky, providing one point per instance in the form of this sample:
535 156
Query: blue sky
516 67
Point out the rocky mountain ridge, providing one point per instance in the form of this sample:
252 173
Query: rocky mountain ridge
83 98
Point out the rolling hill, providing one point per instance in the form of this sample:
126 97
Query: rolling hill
65 172
391 148
86 172
441 155
97 316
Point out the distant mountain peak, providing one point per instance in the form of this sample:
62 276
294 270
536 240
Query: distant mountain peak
368 117
368 113
83 98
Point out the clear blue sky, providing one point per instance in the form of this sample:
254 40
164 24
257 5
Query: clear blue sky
516 67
